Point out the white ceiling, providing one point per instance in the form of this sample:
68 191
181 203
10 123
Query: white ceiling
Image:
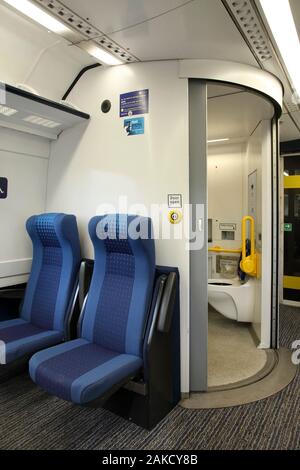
150 29
170 29
295 6
196 29
113 15
214 90
288 129
235 115
28 53
246 111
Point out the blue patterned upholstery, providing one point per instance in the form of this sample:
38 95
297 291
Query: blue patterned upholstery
80 371
110 347
56 259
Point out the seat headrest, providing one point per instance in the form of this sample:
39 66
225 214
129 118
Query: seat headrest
52 228
120 233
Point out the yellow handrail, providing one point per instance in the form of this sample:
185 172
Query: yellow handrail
218 249
248 264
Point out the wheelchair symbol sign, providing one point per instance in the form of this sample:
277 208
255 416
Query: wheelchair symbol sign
3 187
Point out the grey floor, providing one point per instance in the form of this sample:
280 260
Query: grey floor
233 355
30 419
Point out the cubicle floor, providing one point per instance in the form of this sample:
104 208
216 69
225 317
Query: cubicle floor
233 355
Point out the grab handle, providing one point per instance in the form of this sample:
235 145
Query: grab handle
244 235
219 249
248 264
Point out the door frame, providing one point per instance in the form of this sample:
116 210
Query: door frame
275 234
197 91
198 226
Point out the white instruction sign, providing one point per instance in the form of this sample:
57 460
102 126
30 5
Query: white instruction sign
175 201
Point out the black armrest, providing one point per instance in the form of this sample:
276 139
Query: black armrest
85 275
82 288
167 304
72 314
80 319
158 295
76 307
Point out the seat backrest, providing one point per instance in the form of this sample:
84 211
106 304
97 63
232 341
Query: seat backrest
121 288
55 264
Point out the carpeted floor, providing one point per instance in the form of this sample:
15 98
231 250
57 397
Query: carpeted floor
30 419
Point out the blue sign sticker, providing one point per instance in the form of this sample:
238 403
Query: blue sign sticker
134 126
135 102
3 187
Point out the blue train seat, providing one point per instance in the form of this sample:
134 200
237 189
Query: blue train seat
56 260
110 348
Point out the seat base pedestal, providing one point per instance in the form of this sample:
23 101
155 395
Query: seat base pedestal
145 411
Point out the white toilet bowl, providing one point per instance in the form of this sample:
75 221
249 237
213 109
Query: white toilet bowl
232 299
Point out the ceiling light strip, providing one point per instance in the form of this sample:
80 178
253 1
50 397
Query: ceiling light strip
39 15
39 121
82 26
281 22
6 111
99 53
217 140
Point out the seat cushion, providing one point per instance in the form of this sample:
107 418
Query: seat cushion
20 338
81 371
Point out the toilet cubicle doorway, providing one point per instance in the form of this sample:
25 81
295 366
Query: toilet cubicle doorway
200 74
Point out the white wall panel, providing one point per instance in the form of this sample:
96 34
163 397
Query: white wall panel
97 163
226 186
21 143
24 162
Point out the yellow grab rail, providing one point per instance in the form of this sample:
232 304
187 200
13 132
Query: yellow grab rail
218 249
248 264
